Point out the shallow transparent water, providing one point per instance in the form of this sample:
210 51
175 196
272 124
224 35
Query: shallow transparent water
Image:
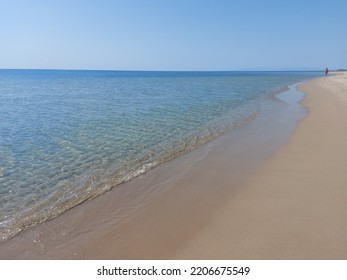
66 136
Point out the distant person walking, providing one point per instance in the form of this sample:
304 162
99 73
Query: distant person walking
326 71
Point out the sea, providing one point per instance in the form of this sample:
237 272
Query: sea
67 136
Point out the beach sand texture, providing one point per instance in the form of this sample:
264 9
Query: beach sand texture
293 207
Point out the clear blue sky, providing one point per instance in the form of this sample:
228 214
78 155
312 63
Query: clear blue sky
173 34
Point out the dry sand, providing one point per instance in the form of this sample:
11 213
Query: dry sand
217 203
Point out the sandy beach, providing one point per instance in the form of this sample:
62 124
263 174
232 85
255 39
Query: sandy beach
263 197
295 205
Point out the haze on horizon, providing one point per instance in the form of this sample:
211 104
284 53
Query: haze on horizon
173 34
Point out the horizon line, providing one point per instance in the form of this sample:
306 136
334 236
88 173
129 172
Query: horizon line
141 70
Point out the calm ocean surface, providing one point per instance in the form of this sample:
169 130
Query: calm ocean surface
67 136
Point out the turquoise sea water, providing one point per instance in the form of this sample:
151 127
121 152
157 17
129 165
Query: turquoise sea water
67 136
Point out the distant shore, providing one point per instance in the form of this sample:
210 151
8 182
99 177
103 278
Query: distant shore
247 195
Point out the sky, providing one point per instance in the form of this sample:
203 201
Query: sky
173 34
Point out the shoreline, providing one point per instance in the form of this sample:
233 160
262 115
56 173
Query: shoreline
84 158
184 209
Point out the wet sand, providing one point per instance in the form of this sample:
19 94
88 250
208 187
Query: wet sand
221 201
